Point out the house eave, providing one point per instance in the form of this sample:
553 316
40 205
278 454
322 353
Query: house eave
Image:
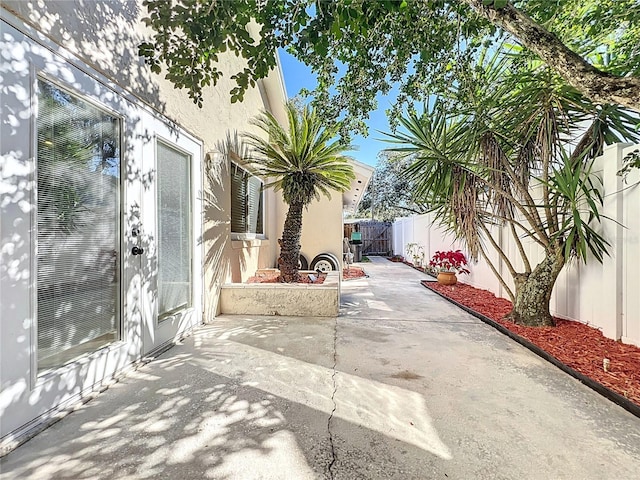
352 197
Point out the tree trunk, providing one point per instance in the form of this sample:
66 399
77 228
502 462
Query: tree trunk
290 244
599 86
533 292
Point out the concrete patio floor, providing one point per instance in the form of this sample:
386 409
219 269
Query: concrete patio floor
402 385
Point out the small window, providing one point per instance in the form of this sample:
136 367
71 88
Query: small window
247 202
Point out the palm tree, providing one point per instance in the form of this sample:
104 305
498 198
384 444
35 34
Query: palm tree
303 161
516 152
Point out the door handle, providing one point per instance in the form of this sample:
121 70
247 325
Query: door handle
137 251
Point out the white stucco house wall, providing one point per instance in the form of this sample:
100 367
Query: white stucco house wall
119 213
322 222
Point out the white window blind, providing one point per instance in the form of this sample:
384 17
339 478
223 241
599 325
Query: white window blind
78 248
247 209
174 230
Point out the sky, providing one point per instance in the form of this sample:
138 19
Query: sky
298 76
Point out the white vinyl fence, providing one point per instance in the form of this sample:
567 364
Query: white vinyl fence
606 296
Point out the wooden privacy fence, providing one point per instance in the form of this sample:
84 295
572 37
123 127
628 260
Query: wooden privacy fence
377 237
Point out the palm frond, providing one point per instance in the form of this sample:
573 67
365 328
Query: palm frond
300 158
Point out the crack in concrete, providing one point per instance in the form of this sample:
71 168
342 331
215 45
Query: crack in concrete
333 399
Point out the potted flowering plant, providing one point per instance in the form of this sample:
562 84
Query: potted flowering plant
448 264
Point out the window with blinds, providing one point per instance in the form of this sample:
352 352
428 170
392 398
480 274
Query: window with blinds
78 224
174 230
247 200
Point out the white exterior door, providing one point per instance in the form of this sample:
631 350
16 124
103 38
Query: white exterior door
115 243
100 262
169 236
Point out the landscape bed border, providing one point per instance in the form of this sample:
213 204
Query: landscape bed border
615 397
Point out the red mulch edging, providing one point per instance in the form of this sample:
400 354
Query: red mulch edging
352 272
574 344
408 263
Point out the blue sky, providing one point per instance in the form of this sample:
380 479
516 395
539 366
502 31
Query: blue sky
298 76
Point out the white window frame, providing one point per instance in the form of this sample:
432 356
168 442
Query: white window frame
158 139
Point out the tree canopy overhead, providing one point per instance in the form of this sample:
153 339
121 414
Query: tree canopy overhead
358 48
390 193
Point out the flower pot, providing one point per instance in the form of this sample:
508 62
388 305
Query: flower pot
447 278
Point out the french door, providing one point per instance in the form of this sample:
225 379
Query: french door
169 236
99 222
115 241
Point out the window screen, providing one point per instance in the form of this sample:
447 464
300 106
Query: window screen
247 210
78 205
174 230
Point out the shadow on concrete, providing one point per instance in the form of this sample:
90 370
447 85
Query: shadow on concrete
218 409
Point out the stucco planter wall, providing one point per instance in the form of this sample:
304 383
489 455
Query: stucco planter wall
297 300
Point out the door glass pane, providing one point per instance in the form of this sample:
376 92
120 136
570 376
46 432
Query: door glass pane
174 230
78 176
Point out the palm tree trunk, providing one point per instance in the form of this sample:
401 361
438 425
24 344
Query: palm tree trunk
533 292
290 244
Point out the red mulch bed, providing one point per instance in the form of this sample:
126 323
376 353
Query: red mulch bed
421 269
575 344
275 278
398 259
352 272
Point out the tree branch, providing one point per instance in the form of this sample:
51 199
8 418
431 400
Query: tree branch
599 86
523 254
530 215
524 192
512 297
498 249
513 221
412 210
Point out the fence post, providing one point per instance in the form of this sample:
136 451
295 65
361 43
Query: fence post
611 300
404 220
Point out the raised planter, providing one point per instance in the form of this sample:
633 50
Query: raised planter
287 299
